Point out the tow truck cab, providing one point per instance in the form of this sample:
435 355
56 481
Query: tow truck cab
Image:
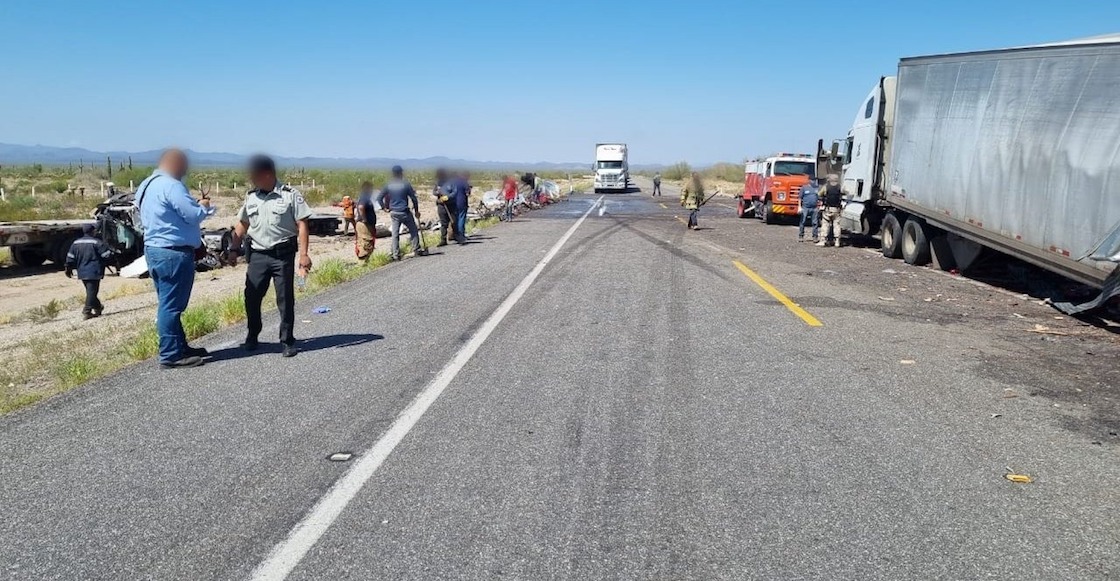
772 185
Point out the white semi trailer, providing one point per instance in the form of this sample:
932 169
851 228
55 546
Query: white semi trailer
1016 150
612 167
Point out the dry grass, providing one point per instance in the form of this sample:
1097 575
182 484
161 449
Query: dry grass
24 380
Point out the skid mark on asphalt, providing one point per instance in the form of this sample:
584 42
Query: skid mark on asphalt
288 554
777 294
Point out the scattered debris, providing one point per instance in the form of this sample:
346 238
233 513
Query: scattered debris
1018 478
890 271
907 362
1044 330
831 272
306 321
994 416
928 300
886 298
1009 393
321 310
1018 316
340 456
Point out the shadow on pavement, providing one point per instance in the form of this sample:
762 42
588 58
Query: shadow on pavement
313 344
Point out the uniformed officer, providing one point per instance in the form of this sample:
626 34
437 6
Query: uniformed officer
692 197
275 218
89 255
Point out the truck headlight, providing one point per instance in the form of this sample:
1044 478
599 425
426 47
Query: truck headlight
781 196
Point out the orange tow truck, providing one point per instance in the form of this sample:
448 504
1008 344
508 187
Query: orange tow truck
772 185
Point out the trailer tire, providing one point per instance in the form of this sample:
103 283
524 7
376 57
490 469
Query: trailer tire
890 234
915 245
28 257
60 249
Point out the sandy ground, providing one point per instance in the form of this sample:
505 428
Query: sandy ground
127 300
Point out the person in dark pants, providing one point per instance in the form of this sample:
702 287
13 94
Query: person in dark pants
172 222
274 217
445 208
460 191
89 255
692 197
657 184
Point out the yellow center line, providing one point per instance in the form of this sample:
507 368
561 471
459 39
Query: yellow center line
792 306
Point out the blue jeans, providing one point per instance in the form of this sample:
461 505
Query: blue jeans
461 223
172 271
807 215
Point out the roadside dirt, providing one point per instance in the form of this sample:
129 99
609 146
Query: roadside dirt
127 300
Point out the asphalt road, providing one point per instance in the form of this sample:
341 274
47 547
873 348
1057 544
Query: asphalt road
633 407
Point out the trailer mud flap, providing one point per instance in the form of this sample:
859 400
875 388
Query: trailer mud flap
1110 289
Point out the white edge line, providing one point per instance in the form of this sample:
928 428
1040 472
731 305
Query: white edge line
288 554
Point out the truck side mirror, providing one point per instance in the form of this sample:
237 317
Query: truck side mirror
835 149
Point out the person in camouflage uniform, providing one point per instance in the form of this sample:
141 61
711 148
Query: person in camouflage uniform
692 197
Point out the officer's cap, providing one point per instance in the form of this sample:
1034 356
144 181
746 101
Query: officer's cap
261 164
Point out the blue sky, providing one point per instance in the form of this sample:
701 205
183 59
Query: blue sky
486 80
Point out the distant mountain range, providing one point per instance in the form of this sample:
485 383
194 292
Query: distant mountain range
47 155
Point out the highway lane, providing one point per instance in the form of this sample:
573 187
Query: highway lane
645 410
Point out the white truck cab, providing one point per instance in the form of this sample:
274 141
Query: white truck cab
866 154
612 167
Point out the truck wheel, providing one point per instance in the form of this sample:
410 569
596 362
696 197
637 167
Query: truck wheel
915 246
742 208
891 234
28 257
60 249
768 212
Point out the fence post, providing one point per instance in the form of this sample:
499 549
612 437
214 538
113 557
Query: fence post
131 186
33 191
3 196
102 189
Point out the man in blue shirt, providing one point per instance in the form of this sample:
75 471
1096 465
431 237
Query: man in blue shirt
172 221
459 190
397 197
808 200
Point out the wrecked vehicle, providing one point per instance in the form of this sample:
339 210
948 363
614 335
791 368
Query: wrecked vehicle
118 224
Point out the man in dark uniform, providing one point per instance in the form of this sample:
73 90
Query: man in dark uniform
445 207
398 197
274 217
459 190
89 255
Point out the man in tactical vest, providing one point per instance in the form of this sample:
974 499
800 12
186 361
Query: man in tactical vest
833 198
